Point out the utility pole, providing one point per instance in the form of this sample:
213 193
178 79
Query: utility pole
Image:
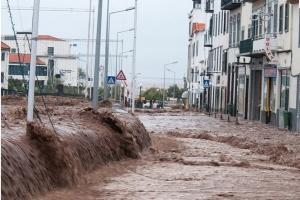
97 57
134 59
35 29
106 52
88 53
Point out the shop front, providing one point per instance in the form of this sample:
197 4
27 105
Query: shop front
268 114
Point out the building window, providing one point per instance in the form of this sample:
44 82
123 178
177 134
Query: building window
197 5
2 56
234 30
243 33
255 27
219 23
275 20
13 50
249 31
2 77
217 59
269 21
211 27
230 31
18 70
227 22
238 28
284 89
197 48
287 13
194 47
216 24
260 21
224 62
281 19
224 23
50 51
41 71
220 58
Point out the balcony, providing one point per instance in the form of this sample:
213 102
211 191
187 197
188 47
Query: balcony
230 4
246 47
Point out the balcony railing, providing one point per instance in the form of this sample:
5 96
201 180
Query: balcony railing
246 46
230 4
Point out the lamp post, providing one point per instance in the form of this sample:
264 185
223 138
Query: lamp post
117 53
117 46
168 64
97 57
107 44
35 29
88 52
134 56
174 82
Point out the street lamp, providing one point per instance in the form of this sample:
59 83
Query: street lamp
168 64
117 49
121 55
117 45
107 44
174 82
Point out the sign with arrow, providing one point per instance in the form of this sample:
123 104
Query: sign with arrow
121 76
111 80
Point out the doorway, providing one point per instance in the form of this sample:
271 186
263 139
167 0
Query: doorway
246 97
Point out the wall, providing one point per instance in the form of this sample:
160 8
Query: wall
4 69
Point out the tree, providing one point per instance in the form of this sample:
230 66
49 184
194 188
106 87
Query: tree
81 73
178 91
153 93
15 84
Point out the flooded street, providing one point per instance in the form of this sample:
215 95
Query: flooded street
194 156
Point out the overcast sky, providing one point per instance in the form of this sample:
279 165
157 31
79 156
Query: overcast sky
162 31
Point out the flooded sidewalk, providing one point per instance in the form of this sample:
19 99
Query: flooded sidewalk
194 156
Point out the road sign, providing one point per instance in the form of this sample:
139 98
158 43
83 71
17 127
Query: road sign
121 76
206 83
111 80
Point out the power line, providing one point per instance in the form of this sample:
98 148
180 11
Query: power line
45 9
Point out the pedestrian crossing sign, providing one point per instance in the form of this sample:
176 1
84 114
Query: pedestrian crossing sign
121 76
206 83
111 80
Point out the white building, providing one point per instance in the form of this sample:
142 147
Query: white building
253 61
5 49
19 67
197 54
217 69
55 52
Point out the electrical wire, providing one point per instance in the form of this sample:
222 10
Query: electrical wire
23 76
51 9
17 43
40 90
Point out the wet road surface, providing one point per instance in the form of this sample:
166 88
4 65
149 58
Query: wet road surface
199 157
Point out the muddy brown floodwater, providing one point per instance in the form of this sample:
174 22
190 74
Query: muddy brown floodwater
194 156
